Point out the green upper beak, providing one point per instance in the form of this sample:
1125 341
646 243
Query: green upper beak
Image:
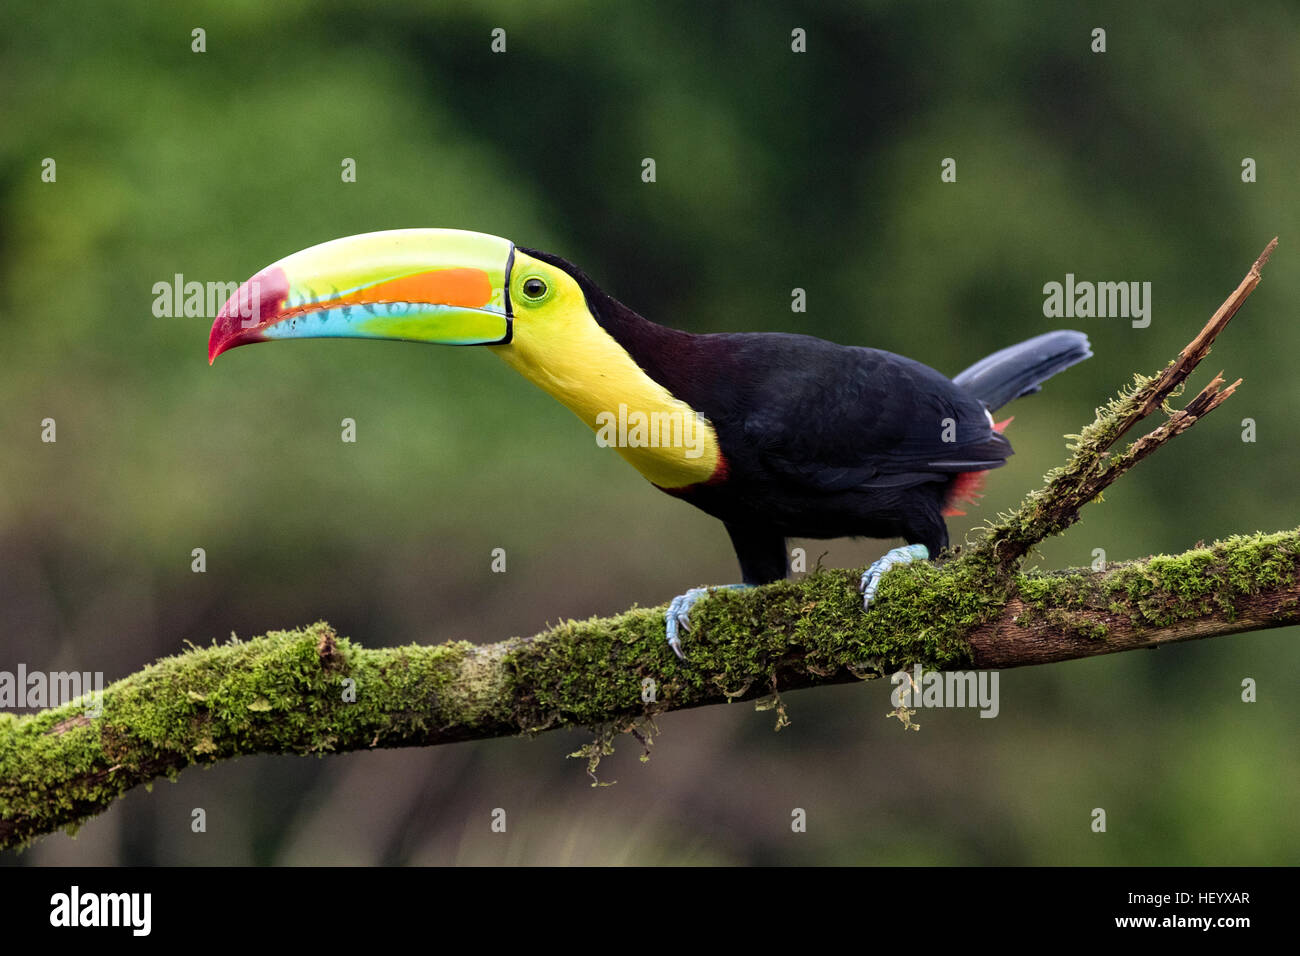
445 286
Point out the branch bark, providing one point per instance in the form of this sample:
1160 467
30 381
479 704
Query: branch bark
309 691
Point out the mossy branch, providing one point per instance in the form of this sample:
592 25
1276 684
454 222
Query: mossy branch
292 691
309 691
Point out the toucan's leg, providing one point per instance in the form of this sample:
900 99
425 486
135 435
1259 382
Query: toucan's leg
890 559
763 559
926 535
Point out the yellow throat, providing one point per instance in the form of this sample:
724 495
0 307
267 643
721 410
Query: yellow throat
559 346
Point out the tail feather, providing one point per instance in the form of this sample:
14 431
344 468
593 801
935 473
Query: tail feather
1021 369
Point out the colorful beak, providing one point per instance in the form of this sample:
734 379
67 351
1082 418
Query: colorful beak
444 286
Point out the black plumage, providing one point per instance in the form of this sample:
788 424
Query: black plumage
823 440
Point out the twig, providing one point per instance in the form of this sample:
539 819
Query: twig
1056 506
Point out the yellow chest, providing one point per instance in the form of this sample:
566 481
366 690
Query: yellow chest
590 374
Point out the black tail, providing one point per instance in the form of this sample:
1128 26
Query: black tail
1021 369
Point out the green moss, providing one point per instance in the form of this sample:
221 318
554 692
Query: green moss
1166 589
1051 509
274 694
309 691
743 644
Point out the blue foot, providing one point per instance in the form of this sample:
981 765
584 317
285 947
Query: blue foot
678 616
871 577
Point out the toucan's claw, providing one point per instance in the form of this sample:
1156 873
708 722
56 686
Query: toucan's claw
890 559
678 616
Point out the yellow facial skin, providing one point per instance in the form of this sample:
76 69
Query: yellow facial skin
559 346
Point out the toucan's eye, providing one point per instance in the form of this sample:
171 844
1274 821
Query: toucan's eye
534 288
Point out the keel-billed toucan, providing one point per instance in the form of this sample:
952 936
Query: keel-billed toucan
777 435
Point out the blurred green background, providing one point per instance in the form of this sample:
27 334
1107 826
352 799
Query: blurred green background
775 170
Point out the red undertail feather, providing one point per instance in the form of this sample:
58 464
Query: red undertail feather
966 487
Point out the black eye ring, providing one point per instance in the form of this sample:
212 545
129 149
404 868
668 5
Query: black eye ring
534 288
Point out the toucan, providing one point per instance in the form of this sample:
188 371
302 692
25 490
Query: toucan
777 435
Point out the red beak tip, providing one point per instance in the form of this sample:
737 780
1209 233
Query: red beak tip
225 344
215 346
260 296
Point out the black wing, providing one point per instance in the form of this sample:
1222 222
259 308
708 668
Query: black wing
833 417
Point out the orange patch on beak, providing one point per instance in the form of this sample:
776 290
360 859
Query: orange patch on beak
467 288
